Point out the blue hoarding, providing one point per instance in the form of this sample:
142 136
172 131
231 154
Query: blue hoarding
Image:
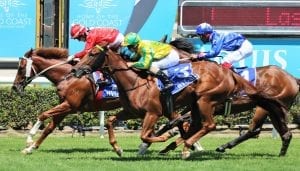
283 52
151 19
17 28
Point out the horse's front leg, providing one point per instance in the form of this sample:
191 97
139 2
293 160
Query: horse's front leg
57 113
32 132
205 113
111 135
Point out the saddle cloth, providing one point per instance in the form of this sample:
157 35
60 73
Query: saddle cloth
181 75
248 74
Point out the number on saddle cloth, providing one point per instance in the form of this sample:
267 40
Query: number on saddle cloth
248 74
181 75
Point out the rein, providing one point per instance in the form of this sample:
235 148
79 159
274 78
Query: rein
29 67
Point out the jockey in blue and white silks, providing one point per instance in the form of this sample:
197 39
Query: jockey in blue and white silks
236 45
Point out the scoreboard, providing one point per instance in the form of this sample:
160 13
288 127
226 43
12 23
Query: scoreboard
271 17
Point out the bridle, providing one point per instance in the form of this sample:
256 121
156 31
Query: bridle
112 69
29 68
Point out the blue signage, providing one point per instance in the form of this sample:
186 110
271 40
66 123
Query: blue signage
283 52
152 19
95 13
17 28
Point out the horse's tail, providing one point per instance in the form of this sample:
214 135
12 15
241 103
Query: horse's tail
264 100
183 44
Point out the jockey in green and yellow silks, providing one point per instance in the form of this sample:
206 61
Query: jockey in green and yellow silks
151 55
149 51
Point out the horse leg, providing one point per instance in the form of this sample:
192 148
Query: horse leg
254 129
57 113
111 136
280 124
32 132
206 110
50 127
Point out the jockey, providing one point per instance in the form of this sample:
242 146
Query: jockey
110 37
102 36
237 46
152 56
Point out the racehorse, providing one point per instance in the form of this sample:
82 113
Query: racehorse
273 80
75 94
140 94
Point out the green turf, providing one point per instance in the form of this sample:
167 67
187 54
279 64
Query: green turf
62 152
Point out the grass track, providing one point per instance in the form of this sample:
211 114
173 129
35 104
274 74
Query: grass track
62 152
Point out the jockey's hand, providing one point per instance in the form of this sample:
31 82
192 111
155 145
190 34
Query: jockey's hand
73 61
70 58
201 55
130 64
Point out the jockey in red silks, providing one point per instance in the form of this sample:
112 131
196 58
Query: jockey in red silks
103 36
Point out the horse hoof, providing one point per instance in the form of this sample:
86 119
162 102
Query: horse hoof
185 155
220 150
142 149
119 152
197 147
26 151
163 152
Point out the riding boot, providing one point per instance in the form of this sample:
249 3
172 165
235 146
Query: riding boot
166 91
103 83
165 80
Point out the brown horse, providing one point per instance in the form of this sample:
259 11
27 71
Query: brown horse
277 83
51 63
75 94
139 94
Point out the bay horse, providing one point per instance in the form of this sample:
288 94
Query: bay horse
75 94
139 94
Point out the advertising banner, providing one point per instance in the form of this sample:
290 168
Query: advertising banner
17 28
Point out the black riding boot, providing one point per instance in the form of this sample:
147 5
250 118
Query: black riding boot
165 80
166 91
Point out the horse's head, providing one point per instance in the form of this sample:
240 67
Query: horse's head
91 62
24 73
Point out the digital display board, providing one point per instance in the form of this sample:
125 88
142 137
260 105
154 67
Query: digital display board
243 16
252 17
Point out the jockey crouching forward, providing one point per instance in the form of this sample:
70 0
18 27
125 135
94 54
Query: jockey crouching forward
236 45
153 56
102 36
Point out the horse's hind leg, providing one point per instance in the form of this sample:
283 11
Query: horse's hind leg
111 135
254 129
280 123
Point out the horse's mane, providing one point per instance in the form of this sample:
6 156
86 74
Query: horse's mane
183 44
52 53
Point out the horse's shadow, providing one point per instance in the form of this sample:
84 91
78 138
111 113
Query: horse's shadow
76 150
131 155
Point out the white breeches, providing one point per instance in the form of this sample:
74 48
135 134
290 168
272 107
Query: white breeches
170 60
244 51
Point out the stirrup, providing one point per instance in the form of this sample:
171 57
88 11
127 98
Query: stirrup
167 87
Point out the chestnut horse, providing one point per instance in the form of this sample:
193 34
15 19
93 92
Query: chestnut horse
75 94
140 94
